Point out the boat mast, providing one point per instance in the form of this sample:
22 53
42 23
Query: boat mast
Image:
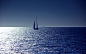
36 22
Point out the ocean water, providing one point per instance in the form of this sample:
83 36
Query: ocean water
46 40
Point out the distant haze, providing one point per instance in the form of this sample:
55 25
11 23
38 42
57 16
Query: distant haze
62 13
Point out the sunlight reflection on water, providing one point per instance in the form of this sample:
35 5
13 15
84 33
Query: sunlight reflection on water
4 40
25 40
9 37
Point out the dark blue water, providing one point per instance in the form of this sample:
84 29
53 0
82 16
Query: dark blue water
46 40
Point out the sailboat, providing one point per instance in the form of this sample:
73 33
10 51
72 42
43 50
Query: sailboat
35 26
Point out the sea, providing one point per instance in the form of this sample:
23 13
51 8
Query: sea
46 40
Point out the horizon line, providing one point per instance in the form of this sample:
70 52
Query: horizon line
43 26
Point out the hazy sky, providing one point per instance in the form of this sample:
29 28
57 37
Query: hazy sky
49 12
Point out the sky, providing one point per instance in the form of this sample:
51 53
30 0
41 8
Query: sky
53 13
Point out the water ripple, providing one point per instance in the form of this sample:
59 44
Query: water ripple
49 40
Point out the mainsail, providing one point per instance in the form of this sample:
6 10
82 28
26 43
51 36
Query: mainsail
35 26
